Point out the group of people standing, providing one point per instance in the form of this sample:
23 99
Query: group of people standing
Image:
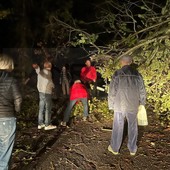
126 93
79 91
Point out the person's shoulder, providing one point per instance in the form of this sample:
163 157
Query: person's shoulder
93 67
83 68
117 72
134 71
11 79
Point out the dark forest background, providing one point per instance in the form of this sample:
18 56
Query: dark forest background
23 23
104 30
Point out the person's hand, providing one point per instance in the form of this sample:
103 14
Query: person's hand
35 66
111 111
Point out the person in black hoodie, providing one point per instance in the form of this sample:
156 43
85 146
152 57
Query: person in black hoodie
10 102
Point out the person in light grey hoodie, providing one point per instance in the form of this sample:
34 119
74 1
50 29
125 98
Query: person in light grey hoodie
45 87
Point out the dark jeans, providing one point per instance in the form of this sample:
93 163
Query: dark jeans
70 106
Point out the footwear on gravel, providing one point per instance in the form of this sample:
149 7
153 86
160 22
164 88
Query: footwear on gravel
111 150
132 153
41 126
63 123
84 118
50 127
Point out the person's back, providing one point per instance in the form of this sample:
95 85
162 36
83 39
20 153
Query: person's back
78 93
126 93
10 102
44 81
78 90
9 93
128 83
45 87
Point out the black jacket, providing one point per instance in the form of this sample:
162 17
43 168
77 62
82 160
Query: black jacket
10 97
126 90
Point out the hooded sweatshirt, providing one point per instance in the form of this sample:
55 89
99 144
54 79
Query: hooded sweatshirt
44 83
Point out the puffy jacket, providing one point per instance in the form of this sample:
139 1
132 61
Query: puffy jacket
88 74
10 97
78 90
126 90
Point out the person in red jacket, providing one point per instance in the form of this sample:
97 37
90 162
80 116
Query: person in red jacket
88 75
78 92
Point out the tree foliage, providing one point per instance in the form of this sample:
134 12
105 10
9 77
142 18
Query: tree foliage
149 47
140 29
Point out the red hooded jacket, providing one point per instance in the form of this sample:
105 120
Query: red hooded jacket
88 74
78 90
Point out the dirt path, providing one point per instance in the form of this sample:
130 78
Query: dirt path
84 147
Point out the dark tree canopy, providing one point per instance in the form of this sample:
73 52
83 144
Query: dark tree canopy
30 21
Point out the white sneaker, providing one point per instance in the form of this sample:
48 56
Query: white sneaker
84 118
132 153
63 124
111 150
41 126
50 127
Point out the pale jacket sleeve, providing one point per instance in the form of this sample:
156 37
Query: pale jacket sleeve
37 70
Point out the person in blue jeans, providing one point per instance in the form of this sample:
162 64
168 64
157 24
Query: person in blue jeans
78 92
45 87
126 93
10 102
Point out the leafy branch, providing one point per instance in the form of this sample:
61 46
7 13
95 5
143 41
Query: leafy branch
72 29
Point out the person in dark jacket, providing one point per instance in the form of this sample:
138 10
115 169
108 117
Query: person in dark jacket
126 93
65 79
78 92
10 102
